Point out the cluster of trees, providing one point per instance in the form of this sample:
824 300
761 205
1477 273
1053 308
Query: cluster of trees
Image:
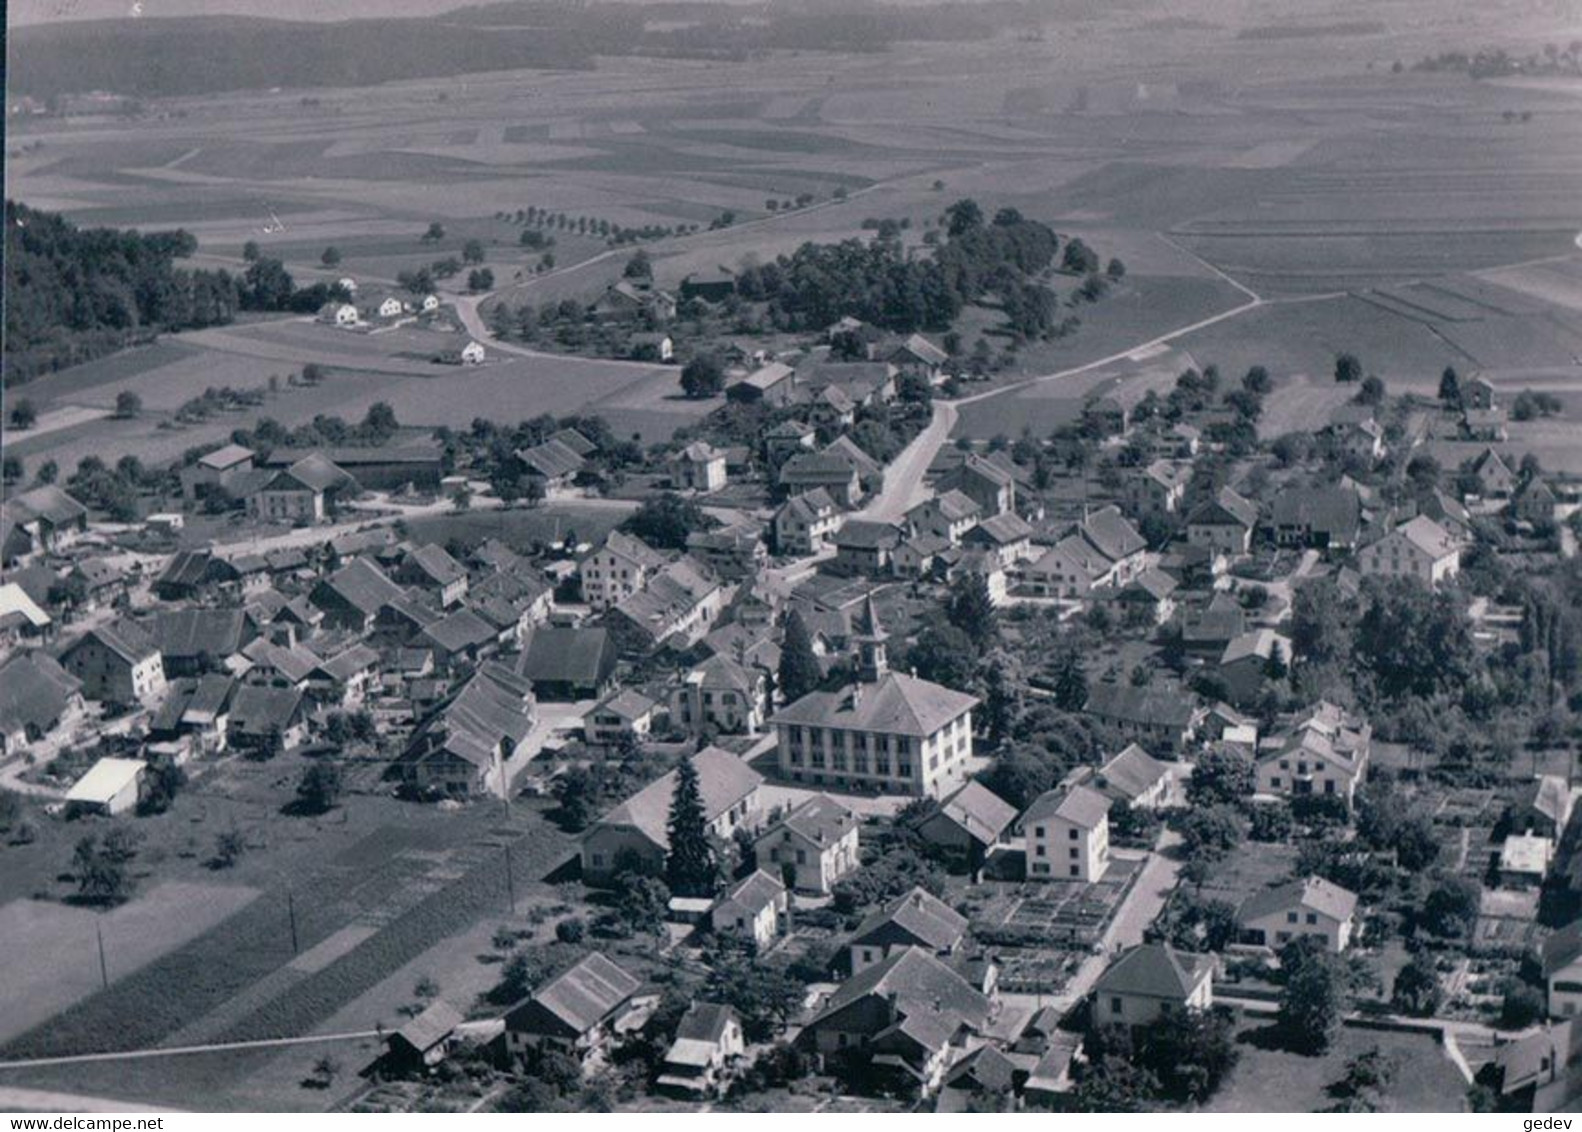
73 294
877 282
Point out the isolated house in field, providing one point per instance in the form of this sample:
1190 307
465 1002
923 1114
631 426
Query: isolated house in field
1149 981
651 347
707 1041
430 304
109 788
812 847
913 919
1068 835
473 354
117 664
574 1013
636 830
390 308
1310 907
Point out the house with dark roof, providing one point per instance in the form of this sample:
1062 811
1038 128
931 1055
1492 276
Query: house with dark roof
1326 518
805 523
1008 537
1131 777
1068 835
733 553
218 468
22 618
568 663
984 481
864 382
1492 476
1224 523
37 698
354 596
194 641
1103 551
1543 807
712 284
1251 662
117 664
306 492
918 357
261 713
863 548
636 830
195 712
708 1042
721 695
553 464
1312 907
913 919
968 824
432 570
909 1016
752 909
629 713
460 749
1561 959
770 384
812 847
1150 980
831 471
575 1013
40 520
677 607
948 515
1160 717
426 1039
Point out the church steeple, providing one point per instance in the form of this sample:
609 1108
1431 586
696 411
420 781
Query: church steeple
870 637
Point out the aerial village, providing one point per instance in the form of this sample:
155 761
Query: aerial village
1087 771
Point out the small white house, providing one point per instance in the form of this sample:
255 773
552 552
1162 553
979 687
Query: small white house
430 304
338 314
347 284
752 909
1310 907
472 354
390 308
109 787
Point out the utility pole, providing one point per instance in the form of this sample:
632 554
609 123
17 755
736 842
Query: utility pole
104 970
510 879
291 911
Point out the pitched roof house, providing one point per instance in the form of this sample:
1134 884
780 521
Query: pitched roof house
575 1012
1150 980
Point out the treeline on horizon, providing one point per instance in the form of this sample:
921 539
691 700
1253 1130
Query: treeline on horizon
75 294
185 56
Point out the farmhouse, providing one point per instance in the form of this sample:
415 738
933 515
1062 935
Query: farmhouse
574 1013
636 829
1250 662
553 464
949 516
713 285
339 314
863 548
220 468
1419 548
836 475
424 1041
306 492
1224 523
1161 718
568 664
117 664
41 520
676 608
460 749
918 357
1328 518
770 384
37 696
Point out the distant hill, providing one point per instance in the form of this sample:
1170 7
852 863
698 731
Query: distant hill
153 58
